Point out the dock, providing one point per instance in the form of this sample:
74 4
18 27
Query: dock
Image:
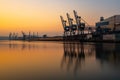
106 30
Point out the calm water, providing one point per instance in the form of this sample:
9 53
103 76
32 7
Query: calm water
58 61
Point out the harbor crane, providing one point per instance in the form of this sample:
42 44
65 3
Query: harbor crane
65 27
13 36
37 35
80 25
76 30
24 35
72 26
10 36
29 35
16 35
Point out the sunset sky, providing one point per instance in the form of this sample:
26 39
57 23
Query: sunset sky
43 15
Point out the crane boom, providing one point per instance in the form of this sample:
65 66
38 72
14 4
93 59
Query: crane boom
63 22
69 20
77 18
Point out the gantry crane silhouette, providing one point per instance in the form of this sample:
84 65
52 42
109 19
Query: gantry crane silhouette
75 31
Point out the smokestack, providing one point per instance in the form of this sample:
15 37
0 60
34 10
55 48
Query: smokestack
101 18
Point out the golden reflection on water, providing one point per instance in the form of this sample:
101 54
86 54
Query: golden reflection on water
58 60
24 58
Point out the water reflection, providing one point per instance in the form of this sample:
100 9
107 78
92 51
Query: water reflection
46 61
23 46
108 53
14 45
76 55
30 60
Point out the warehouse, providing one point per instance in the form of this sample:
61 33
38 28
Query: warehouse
111 24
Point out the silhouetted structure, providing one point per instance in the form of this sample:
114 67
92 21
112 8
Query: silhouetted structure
26 37
75 32
107 30
13 36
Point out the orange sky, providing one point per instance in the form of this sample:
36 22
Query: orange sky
43 15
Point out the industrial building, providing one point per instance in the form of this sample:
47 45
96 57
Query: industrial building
110 28
112 23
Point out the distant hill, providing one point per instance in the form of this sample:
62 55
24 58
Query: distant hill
3 38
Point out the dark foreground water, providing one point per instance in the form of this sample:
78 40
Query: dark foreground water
58 61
